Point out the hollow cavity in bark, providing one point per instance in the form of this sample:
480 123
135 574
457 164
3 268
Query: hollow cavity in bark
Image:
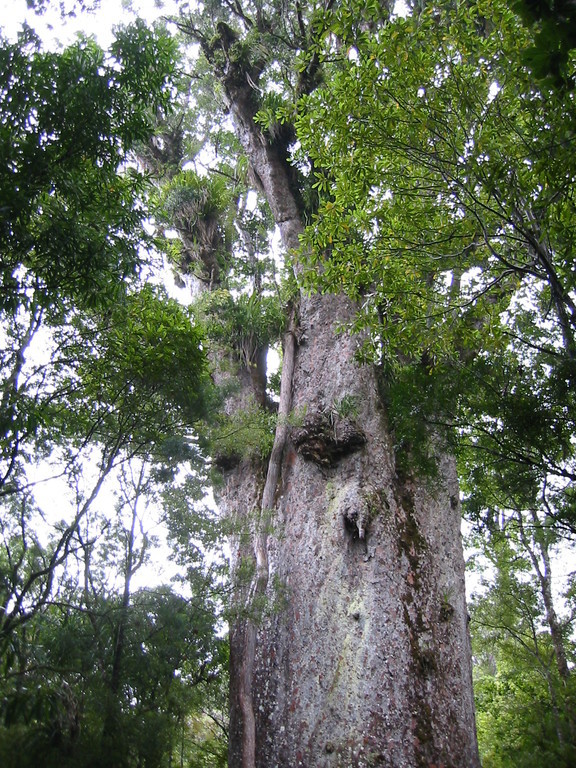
324 438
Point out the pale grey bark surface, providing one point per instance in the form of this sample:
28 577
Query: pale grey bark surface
365 660
369 661
359 655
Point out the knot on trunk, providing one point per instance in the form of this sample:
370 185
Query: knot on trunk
325 438
226 462
357 510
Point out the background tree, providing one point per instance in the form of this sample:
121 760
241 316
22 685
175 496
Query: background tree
103 379
71 224
523 650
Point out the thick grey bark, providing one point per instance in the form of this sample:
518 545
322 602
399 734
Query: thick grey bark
369 662
366 662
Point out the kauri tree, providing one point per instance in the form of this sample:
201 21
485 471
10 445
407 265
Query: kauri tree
349 637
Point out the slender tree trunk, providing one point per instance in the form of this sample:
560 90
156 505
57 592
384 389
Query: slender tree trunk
538 543
111 738
367 660
544 574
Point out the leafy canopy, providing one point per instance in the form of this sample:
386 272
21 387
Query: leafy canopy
446 171
70 222
102 380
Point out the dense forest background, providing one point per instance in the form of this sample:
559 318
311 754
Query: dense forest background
437 155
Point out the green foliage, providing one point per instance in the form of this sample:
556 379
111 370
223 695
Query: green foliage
273 113
515 721
102 381
447 214
126 379
196 207
248 432
401 174
346 407
524 708
245 323
515 448
57 718
96 670
144 359
195 196
70 222
552 56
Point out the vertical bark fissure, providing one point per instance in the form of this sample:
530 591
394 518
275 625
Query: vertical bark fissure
261 578
271 173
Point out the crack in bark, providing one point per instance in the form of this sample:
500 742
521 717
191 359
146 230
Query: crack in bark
260 582
268 161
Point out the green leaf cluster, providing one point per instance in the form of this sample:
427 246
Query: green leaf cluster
247 433
92 669
524 707
246 322
414 153
102 380
70 221
446 172
54 709
144 357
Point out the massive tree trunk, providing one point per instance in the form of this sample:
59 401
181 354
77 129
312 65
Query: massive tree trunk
350 646
369 664
366 659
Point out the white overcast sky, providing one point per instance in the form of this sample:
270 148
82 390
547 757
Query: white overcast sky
54 31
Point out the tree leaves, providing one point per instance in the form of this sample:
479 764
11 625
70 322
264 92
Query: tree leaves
445 167
103 379
448 217
71 223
